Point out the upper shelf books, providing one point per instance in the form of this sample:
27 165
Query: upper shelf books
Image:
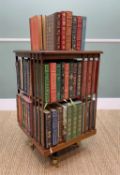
58 31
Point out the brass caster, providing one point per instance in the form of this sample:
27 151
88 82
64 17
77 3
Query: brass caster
55 162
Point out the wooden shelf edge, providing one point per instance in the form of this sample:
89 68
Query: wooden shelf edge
50 151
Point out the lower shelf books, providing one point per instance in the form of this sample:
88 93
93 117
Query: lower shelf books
58 122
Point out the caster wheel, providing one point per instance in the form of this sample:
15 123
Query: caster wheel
55 162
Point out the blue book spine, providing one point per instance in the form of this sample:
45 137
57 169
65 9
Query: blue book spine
84 19
54 116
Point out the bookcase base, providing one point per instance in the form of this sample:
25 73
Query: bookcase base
61 146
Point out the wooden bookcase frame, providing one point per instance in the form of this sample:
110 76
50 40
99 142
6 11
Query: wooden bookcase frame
62 55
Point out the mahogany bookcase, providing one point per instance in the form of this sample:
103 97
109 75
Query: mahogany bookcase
55 55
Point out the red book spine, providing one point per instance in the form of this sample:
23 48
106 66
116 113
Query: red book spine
89 85
63 31
36 33
79 33
84 78
52 82
95 75
66 80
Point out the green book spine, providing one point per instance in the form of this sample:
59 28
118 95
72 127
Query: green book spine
83 117
64 121
79 119
46 83
74 119
69 121
58 80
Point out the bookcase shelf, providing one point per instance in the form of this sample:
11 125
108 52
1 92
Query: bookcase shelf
31 98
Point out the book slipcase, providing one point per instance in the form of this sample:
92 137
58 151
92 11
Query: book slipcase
41 90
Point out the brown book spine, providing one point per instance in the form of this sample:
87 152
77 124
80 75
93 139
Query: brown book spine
66 80
89 84
84 78
68 29
63 31
79 33
57 32
74 29
52 82
95 75
53 31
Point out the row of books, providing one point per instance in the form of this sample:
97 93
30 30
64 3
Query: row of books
60 80
58 31
57 123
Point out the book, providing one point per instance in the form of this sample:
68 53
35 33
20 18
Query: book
46 83
58 80
84 21
52 82
53 31
35 23
48 128
54 118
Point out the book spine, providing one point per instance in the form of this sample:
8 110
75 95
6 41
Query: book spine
60 124
58 79
66 80
68 29
46 83
47 129
95 76
71 87
74 30
79 76
69 121
83 116
89 84
84 20
57 30
21 73
50 32
64 122
63 31
62 80
84 78
79 33
39 79
74 120
52 82
79 119
42 129
74 78
54 116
